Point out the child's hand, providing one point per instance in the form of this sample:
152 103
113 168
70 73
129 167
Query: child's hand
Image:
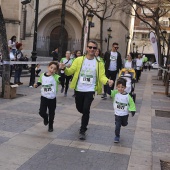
133 113
35 85
110 83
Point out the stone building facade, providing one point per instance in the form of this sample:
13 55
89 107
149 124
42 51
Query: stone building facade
18 16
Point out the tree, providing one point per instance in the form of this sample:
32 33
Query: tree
83 5
5 53
103 10
157 9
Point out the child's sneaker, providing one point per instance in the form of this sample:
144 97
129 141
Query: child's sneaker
82 136
50 128
46 121
116 140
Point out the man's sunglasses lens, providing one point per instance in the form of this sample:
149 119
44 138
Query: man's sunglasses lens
90 47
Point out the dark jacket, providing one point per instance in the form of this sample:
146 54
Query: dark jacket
55 56
107 61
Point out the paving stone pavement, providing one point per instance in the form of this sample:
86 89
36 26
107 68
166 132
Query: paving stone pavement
25 143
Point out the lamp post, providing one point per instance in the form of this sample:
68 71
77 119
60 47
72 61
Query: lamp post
144 45
90 18
109 30
127 39
133 50
34 52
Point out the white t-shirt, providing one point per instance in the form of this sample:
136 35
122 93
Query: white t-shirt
139 64
48 86
87 76
113 61
12 44
120 104
65 60
128 64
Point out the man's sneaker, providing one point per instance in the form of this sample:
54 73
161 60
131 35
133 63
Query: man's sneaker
82 136
104 96
62 89
65 94
45 121
50 128
73 95
116 140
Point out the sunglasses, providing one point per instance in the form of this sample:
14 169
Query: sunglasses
90 47
116 47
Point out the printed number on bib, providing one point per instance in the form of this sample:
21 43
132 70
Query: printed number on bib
86 80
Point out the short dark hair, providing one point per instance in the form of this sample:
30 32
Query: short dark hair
115 43
92 41
55 63
121 81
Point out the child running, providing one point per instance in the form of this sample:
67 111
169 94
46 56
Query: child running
122 104
49 82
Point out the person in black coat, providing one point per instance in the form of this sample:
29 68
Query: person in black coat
113 63
55 54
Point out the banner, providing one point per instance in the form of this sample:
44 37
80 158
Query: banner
85 36
153 41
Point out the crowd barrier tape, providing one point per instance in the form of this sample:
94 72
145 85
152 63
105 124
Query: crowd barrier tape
24 62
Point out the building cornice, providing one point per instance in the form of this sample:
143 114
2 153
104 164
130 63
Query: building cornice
12 21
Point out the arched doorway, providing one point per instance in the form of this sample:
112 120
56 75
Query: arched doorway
55 39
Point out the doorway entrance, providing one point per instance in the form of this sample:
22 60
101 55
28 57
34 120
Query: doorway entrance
55 39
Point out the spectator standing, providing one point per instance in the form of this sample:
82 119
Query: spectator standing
37 70
12 43
18 67
88 73
64 78
12 58
113 63
55 54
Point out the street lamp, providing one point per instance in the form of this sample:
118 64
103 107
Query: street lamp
144 45
34 52
90 18
133 50
127 39
109 30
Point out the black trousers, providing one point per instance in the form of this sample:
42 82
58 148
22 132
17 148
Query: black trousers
138 74
51 105
120 121
110 75
65 81
83 103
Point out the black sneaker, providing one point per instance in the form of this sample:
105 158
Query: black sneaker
104 96
46 121
62 89
82 136
50 129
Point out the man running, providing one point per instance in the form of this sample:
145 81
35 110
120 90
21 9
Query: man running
89 73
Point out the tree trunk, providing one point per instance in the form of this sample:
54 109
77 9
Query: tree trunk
63 10
82 32
159 53
101 34
5 53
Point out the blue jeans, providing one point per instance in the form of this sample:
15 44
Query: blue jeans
17 75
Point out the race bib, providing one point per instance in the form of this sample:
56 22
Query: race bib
86 79
47 89
113 58
120 106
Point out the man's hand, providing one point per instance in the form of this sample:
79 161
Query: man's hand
62 66
110 83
